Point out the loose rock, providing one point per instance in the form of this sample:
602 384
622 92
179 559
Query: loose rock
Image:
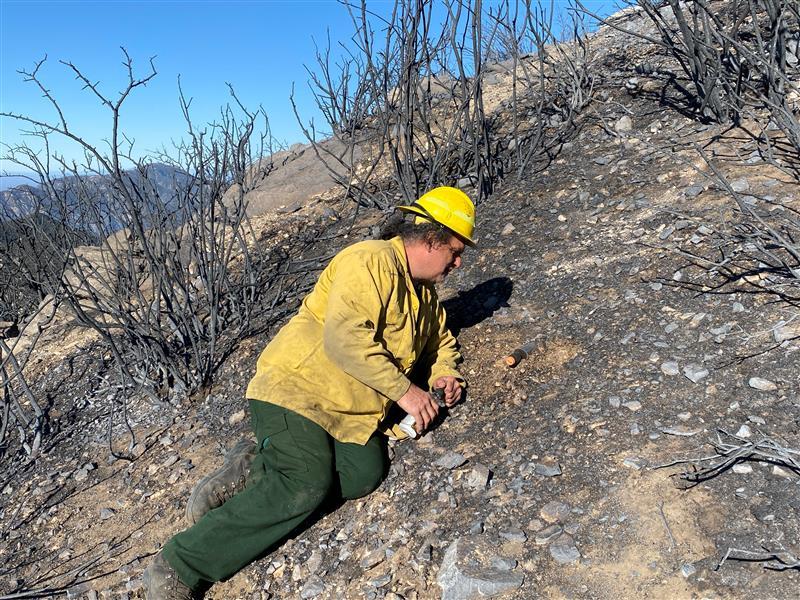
670 368
554 512
695 373
548 469
461 574
765 385
478 478
450 460
564 551
312 588
547 535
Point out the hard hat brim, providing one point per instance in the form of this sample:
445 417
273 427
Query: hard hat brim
414 210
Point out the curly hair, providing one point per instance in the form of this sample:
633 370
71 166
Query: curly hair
427 231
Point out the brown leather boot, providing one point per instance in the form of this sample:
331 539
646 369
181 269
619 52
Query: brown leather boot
162 583
215 489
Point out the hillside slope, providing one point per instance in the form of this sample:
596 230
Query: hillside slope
545 481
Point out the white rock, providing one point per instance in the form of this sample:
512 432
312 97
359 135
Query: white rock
744 432
508 229
765 385
670 367
695 373
624 123
740 185
785 332
237 417
632 405
742 469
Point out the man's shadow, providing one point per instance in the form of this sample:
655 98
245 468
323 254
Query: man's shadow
478 304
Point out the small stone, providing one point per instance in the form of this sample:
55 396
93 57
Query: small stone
693 191
561 218
554 512
737 307
106 513
688 570
666 232
742 469
450 460
615 401
765 385
632 405
680 430
508 229
783 333
547 535
425 551
535 525
564 551
463 575
740 185
370 559
81 475
757 420
671 327
781 472
514 535
695 373
670 368
635 462
478 477
684 416
381 581
744 432
78 591
548 469
623 124
237 417
312 588
314 562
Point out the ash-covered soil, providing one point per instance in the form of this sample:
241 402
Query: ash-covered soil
548 480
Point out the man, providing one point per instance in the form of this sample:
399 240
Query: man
369 336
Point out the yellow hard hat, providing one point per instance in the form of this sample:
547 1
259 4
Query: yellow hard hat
449 207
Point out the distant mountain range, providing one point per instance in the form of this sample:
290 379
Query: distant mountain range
160 183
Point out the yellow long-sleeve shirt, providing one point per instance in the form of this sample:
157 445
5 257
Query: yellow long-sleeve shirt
348 354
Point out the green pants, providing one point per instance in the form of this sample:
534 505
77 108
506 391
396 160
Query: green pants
299 468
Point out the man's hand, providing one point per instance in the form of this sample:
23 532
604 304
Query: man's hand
452 389
419 404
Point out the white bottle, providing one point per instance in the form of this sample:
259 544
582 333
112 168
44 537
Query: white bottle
408 422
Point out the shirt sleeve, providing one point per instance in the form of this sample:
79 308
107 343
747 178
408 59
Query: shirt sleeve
441 353
357 302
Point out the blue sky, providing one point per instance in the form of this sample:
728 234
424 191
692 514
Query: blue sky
259 46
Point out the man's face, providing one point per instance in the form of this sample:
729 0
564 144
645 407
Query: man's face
442 258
